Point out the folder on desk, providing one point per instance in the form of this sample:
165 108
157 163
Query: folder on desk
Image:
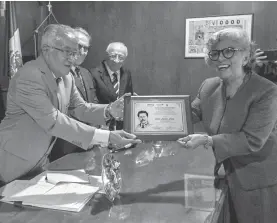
73 176
61 196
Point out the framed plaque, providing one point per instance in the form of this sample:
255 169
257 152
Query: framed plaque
158 118
200 193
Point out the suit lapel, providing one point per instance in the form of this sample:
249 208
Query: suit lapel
78 84
107 80
217 102
87 83
50 81
123 80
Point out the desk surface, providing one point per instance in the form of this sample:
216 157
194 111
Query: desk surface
150 193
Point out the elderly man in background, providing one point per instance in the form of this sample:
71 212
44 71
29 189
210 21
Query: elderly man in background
85 86
110 79
39 97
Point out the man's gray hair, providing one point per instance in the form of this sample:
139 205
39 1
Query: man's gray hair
56 34
84 32
116 45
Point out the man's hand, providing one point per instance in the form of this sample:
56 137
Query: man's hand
260 58
117 108
120 138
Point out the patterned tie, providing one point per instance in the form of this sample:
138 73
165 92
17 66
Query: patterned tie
115 84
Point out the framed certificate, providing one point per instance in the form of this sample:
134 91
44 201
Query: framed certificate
158 118
200 193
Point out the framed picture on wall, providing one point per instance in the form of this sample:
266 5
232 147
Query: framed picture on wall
158 118
198 31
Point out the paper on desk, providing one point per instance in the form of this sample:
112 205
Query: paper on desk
64 196
23 189
73 176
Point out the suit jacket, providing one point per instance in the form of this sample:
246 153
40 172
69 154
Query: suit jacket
242 128
104 89
33 119
103 86
90 94
268 71
61 146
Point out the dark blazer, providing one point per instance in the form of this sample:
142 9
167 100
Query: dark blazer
90 94
268 71
103 86
242 128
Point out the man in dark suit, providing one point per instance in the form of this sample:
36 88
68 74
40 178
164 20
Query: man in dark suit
110 79
82 76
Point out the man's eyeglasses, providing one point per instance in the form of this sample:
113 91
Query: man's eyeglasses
83 49
118 57
226 52
68 53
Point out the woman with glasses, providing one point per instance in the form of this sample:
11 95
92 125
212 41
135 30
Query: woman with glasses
238 110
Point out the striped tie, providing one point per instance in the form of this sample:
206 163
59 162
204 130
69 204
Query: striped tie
115 84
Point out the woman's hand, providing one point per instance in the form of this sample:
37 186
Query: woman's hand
192 141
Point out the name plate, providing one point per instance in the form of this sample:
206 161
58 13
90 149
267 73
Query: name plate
158 118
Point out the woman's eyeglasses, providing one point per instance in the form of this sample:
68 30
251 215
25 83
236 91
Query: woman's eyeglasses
226 52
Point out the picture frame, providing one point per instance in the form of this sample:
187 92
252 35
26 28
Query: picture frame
198 31
200 193
158 118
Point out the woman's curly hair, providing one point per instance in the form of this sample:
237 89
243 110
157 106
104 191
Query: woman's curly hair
235 34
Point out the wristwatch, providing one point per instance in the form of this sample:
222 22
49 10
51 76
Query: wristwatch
208 142
108 111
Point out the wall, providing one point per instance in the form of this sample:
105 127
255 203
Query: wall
29 16
154 34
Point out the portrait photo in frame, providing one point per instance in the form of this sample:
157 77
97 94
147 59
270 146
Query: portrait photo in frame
199 30
158 118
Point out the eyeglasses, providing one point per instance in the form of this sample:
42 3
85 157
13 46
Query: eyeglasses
68 53
118 57
83 49
226 52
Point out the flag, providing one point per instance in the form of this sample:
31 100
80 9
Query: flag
15 55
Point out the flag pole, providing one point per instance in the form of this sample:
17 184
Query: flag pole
50 13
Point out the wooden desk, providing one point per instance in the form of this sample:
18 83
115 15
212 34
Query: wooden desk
150 193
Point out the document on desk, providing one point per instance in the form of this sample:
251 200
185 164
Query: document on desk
73 176
24 189
62 196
